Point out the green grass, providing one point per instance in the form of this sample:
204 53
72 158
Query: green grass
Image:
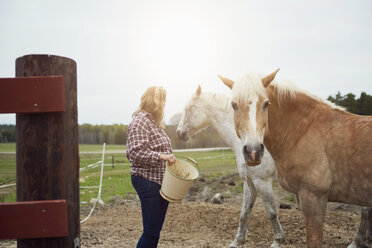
7 147
116 181
98 148
291 198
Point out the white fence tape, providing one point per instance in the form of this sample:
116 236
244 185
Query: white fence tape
100 185
7 185
91 166
115 164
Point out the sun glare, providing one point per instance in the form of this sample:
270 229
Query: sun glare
174 42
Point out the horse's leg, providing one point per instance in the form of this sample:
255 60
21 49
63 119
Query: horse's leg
369 227
248 201
265 189
363 236
360 236
313 207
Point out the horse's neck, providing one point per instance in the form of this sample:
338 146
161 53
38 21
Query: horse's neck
223 122
224 125
288 120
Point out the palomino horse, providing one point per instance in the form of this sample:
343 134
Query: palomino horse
322 153
205 109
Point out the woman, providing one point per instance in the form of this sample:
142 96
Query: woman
148 149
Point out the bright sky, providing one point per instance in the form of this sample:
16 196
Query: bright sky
122 47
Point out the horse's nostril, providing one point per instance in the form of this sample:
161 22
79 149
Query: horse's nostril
245 150
262 148
182 135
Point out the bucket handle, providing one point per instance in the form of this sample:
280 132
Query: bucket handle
192 160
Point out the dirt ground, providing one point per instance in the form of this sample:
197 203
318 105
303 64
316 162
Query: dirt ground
197 222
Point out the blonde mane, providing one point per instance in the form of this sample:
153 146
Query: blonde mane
251 85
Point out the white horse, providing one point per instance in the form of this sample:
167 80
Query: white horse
363 237
212 109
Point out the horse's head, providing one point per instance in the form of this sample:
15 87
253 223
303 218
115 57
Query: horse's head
250 103
194 117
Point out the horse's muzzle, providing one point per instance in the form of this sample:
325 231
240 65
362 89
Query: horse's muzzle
253 155
182 135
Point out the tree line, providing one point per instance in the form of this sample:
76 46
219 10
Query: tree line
360 106
116 134
7 133
88 134
99 134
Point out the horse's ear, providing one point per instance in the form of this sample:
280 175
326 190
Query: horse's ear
228 82
198 91
267 80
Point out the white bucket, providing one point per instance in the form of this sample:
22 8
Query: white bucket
178 178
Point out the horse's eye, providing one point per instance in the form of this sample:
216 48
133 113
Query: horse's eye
234 106
266 104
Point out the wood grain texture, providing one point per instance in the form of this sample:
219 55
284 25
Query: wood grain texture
47 148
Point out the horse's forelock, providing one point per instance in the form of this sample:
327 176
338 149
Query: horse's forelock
247 87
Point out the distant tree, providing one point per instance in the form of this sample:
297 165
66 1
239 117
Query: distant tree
97 134
337 99
361 106
350 103
364 104
7 133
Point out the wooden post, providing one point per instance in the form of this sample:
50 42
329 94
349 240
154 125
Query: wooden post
47 149
113 162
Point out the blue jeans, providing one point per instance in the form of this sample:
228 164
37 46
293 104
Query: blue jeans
154 208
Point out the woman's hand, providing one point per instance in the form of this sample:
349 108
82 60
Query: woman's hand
167 157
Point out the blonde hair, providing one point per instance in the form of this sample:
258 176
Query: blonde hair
153 102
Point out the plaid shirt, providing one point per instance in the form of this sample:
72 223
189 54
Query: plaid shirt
145 141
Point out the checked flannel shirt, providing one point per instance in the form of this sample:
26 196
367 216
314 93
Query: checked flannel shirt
145 141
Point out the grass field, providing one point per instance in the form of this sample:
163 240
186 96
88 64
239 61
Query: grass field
116 181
